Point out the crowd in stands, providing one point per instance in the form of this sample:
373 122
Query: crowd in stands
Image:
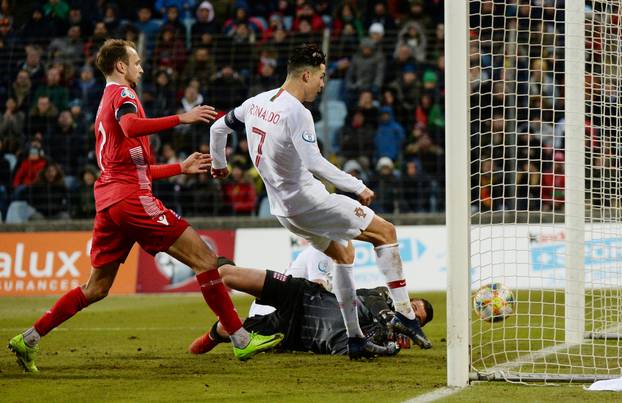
381 117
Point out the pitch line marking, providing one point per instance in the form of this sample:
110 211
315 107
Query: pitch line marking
435 395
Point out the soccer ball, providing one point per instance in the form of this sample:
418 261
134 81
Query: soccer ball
494 302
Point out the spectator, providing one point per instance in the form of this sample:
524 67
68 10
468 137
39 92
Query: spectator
57 94
48 194
425 149
38 30
407 92
171 19
202 196
205 23
164 102
342 50
490 187
184 7
11 127
42 117
238 54
368 106
170 51
111 18
68 50
33 65
67 147
306 12
366 70
356 137
227 89
83 203
200 67
266 79
415 188
148 26
21 91
6 17
528 186
344 16
254 24
381 16
189 134
56 8
88 91
403 57
76 18
100 34
390 135
169 156
384 44
28 169
554 185
385 185
413 36
240 193
427 113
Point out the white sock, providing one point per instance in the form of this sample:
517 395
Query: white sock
240 338
345 291
31 337
390 265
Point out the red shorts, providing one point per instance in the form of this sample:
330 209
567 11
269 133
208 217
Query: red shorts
137 218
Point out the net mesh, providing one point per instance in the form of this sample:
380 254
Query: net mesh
518 188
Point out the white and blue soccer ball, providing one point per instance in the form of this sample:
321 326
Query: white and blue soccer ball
494 302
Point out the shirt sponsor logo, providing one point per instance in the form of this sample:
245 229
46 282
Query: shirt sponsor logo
125 93
308 136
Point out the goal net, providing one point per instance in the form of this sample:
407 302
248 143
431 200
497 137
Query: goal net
544 80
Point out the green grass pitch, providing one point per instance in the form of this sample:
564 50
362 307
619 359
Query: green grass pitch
133 348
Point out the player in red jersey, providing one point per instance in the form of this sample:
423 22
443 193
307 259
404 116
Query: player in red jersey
128 212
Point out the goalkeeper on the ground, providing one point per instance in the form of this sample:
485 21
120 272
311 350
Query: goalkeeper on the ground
309 315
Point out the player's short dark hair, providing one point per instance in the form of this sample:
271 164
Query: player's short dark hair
111 52
304 56
429 311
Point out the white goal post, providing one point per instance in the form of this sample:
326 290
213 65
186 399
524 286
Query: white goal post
534 178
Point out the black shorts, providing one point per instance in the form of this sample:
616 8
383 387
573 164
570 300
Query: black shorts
286 294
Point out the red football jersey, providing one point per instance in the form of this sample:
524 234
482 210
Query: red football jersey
124 162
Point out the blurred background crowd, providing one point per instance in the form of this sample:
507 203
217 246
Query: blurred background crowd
381 116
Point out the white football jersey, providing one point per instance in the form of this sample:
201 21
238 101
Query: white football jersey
310 264
283 147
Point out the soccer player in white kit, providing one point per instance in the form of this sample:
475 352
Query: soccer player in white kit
283 147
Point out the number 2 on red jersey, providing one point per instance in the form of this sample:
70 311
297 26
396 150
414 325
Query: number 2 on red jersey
262 134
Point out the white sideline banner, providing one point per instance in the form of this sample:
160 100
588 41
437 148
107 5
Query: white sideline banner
525 256
422 249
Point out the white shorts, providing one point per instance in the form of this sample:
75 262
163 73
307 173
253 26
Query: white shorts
339 218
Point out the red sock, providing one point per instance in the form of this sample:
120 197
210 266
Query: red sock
217 297
66 306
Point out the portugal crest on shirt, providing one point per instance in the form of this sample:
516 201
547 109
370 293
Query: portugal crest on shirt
126 93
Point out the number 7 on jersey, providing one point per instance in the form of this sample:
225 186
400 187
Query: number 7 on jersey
262 134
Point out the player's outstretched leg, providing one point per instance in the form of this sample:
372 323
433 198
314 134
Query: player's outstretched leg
382 235
190 249
24 353
206 342
411 328
25 345
257 344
